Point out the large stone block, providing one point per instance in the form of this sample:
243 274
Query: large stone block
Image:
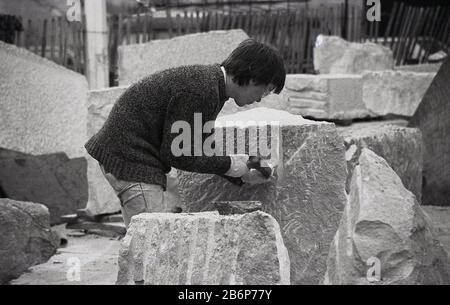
102 198
25 237
394 92
334 55
328 96
384 226
400 146
432 118
53 180
203 248
139 60
42 105
306 199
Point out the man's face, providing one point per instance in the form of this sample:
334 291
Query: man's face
252 93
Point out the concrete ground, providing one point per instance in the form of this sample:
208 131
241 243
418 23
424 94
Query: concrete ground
92 260
86 260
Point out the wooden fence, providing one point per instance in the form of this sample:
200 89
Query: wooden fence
56 39
411 32
292 32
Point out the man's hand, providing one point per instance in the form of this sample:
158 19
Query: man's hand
254 177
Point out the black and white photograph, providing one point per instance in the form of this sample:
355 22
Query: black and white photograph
224 148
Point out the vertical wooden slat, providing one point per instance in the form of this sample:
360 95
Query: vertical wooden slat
169 21
74 46
119 30
66 42
399 36
145 26
138 27
419 22
61 41
392 17
128 29
52 39
397 25
178 24
409 36
433 32
28 34
424 32
44 38
429 31
197 21
187 23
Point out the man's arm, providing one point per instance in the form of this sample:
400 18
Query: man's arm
182 108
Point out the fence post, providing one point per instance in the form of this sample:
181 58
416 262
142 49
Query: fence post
97 67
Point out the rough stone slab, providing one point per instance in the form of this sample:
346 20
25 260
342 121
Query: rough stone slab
334 55
203 248
139 60
422 68
11 154
308 197
383 220
102 198
432 118
328 96
53 180
237 207
400 146
25 237
440 220
42 105
394 92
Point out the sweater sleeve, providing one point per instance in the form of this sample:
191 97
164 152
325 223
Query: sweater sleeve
181 112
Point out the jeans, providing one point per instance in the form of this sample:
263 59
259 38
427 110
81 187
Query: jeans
137 197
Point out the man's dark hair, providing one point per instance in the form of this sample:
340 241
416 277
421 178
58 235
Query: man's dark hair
253 60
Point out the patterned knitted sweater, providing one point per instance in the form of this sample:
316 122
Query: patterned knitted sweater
134 144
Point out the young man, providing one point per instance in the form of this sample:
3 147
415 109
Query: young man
134 145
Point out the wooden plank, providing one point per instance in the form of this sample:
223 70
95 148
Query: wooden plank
188 22
409 35
52 39
397 24
178 24
399 37
145 33
433 31
170 23
419 22
429 33
66 41
426 31
390 22
28 34
138 26
128 29
44 38
120 29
